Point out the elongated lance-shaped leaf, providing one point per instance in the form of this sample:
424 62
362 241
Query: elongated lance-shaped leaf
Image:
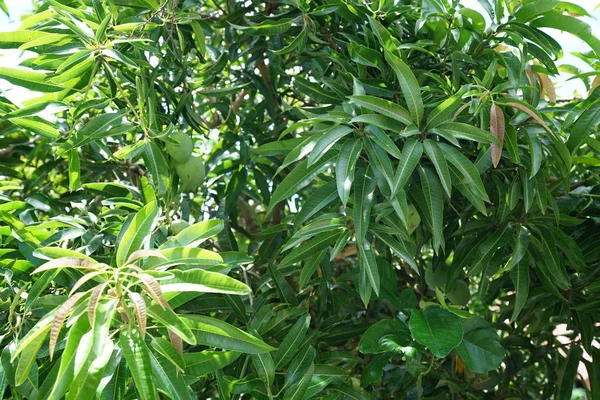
444 112
59 318
172 322
93 301
168 379
139 306
316 201
207 362
265 367
298 43
153 289
345 167
527 109
291 343
298 391
466 168
520 248
300 177
363 200
411 154
167 350
214 332
520 278
144 253
138 361
137 232
436 156
326 141
368 262
459 130
314 91
66 262
487 249
497 130
380 163
434 204
194 235
310 248
383 140
267 27
409 85
384 107
198 280
300 364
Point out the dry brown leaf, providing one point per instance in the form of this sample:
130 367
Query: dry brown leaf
497 126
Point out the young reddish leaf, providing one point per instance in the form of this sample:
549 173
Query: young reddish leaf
59 318
497 130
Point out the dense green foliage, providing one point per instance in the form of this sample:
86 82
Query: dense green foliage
384 200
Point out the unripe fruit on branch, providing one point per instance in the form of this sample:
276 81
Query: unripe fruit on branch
182 151
178 226
459 294
191 174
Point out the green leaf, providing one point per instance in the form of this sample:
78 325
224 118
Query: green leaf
411 154
438 329
291 343
207 362
316 201
345 167
583 127
567 373
445 110
171 321
267 27
378 120
569 24
363 200
432 192
520 248
198 280
314 91
383 140
300 177
297 391
156 162
458 130
384 107
528 11
28 79
97 128
369 264
370 343
435 154
520 278
297 43
37 125
138 360
74 170
409 85
265 367
300 365
213 332
168 379
14 39
27 359
137 233
466 168
310 248
197 233
486 250
480 349
199 38
326 141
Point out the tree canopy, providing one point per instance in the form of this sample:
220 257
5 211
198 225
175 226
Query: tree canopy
298 199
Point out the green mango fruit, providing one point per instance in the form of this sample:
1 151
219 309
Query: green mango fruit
182 151
437 277
191 174
178 226
459 294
